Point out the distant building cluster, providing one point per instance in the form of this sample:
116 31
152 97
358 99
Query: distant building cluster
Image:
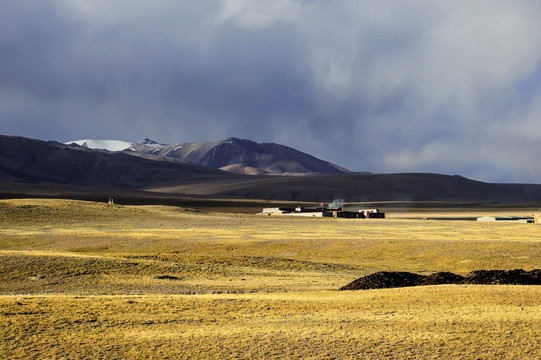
324 210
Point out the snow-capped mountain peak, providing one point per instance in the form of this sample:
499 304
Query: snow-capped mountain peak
232 154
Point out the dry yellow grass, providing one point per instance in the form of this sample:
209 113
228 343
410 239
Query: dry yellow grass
87 280
477 322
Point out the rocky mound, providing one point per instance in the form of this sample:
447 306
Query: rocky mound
386 279
441 278
504 277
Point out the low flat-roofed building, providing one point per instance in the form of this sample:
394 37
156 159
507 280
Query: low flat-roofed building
515 219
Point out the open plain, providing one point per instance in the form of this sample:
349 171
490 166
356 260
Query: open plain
91 280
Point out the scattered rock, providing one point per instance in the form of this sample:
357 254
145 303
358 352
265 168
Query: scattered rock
389 279
36 277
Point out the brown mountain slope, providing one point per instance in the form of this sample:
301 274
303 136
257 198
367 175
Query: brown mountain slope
27 164
35 161
360 187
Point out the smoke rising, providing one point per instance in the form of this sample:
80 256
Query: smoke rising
336 204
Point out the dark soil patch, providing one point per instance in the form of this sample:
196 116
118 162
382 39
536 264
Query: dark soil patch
385 279
167 277
441 278
503 277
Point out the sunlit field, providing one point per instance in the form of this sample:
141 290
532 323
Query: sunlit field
92 280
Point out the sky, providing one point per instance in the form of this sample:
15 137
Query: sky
451 87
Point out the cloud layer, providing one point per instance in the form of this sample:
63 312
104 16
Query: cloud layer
450 87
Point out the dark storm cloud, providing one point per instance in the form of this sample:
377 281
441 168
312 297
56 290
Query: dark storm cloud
449 87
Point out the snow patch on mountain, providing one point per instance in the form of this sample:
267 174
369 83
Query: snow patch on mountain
110 145
152 143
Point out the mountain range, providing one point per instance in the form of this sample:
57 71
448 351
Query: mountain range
240 156
30 167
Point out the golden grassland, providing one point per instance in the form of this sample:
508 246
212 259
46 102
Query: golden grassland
90 280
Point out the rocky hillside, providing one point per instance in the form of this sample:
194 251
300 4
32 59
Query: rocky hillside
239 156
